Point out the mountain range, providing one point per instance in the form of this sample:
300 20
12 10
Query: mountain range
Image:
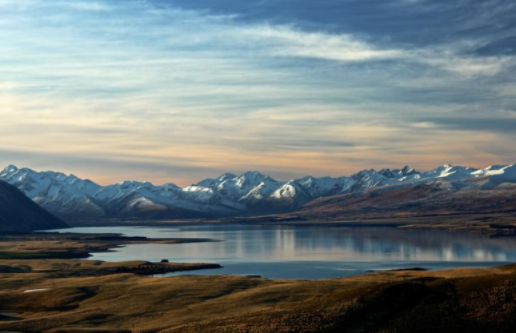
253 193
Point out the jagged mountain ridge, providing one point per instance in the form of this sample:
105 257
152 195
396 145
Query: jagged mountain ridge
250 193
435 197
20 214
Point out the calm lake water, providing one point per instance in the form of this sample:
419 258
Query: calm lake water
311 252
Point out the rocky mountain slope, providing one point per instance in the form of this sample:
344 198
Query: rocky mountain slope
253 193
436 197
20 214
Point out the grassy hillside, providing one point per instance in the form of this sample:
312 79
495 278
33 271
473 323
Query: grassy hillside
465 300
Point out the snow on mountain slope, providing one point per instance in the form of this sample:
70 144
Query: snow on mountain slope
490 171
136 197
450 172
238 188
55 192
141 204
210 200
86 186
318 187
369 178
404 173
229 194
249 189
296 193
259 193
215 182
301 191
499 175
290 195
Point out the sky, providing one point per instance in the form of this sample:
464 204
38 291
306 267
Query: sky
181 90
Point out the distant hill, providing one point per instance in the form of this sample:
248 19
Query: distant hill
20 214
435 197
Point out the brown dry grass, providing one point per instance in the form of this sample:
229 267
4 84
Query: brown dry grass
246 304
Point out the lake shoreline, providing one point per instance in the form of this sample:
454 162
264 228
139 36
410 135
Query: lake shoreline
492 225
54 245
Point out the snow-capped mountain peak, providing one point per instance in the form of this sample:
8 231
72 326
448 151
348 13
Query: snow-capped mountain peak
252 178
239 187
54 191
214 182
450 172
9 169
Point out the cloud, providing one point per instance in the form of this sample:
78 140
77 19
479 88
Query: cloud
85 5
63 4
287 42
424 125
500 125
149 84
470 66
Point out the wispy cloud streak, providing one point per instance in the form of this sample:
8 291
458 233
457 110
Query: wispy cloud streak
208 90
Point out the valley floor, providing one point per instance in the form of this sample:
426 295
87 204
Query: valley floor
64 295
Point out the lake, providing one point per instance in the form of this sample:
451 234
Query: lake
302 252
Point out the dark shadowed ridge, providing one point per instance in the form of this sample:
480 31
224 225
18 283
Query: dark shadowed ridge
20 214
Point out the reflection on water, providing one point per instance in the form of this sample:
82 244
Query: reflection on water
313 252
